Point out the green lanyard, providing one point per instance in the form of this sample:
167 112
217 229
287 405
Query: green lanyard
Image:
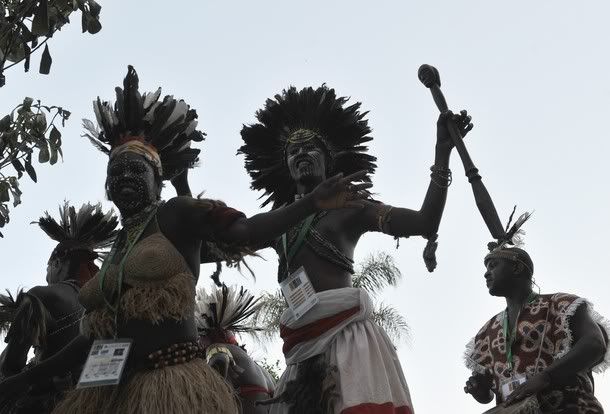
509 338
298 243
104 269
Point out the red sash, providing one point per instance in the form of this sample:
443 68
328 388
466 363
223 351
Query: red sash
293 337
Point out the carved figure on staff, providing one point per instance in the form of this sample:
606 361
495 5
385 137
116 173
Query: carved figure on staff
302 137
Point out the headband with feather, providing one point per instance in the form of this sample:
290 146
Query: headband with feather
296 116
510 246
89 228
166 127
225 308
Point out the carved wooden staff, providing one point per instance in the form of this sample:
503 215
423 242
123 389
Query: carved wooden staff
430 77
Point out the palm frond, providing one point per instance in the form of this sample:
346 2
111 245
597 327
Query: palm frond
391 321
376 272
268 315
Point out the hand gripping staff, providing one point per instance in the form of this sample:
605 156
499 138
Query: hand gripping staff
429 76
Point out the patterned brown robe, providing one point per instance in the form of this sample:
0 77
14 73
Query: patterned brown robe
487 351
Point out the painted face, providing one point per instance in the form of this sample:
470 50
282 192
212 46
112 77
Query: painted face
58 266
306 161
131 182
500 276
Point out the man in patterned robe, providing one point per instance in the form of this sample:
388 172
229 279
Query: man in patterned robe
542 347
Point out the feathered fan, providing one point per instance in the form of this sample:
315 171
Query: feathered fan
168 125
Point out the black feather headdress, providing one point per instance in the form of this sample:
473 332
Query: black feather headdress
166 126
342 129
225 308
89 228
509 247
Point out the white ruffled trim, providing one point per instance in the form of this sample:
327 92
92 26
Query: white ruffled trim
470 363
597 318
605 325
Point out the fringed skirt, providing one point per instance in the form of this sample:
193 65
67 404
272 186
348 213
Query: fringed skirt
188 388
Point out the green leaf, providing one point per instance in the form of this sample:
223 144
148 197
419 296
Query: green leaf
27 102
45 61
5 123
40 24
16 193
4 197
53 159
11 137
54 137
18 167
84 22
43 154
29 169
39 123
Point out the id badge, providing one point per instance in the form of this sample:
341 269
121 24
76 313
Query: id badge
511 384
299 293
105 363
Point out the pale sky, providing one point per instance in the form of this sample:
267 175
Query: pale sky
534 76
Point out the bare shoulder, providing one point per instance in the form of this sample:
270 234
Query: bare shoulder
43 292
177 204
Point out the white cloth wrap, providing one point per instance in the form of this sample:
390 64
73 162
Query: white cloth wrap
369 371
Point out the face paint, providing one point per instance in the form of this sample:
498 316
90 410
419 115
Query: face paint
306 161
58 266
131 182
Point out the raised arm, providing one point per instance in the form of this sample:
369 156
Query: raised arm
404 222
335 192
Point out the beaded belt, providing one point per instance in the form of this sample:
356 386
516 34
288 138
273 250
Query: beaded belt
175 354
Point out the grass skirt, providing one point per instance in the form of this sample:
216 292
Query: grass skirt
188 388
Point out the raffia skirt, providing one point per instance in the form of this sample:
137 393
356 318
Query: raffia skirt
188 388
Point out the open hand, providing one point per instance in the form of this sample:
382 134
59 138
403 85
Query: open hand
339 192
462 121
532 386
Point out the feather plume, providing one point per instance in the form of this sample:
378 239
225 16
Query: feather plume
8 309
344 130
226 309
515 235
23 318
167 125
88 227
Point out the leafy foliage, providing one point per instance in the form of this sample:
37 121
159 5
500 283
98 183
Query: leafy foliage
273 369
27 25
388 318
272 305
377 272
25 132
